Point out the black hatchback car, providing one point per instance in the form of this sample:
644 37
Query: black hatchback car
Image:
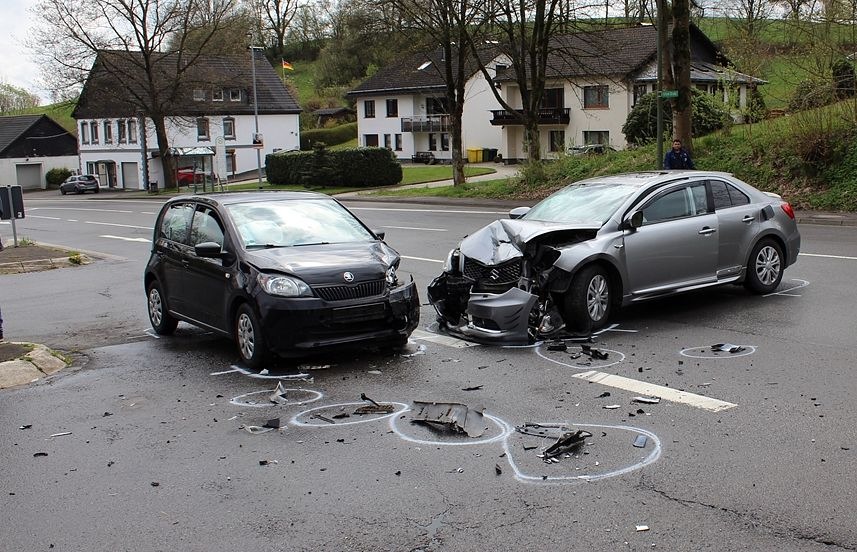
279 272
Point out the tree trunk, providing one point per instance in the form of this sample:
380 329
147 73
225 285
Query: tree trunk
682 110
532 142
164 152
457 157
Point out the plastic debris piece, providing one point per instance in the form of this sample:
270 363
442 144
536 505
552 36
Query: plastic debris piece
567 442
593 353
26 426
273 423
341 415
604 394
106 414
279 394
551 431
646 400
155 484
456 417
474 388
497 469
642 528
375 372
557 345
611 406
40 454
398 472
727 348
267 462
61 434
257 430
323 418
640 441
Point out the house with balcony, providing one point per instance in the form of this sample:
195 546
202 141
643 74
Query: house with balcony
211 123
594 79
403 107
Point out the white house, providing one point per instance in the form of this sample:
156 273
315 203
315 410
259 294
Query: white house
594 79
30 146
403 107
211 124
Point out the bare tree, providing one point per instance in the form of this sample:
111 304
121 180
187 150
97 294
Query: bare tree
277 16
749 17
794 7
14 99
682 112
144 46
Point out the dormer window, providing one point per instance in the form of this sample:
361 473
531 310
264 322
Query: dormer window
198 95
235 95
217 95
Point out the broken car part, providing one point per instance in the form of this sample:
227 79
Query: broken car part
593 353
640 441
727 348
373 408
456 417
646 400
567 442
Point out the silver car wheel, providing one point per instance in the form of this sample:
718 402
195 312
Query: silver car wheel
768 265
597 297
246 336
156 307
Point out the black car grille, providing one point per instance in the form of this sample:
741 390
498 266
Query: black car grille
492 278
353 291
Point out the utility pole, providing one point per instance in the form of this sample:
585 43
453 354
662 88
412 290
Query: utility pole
256 113
660 126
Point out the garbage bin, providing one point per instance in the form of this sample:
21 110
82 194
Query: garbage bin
486 154
153 187
473 155
492 154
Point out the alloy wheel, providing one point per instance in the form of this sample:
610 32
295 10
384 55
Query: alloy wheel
768 265
246 336
597 297
156 307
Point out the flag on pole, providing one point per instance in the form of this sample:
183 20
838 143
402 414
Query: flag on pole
287 65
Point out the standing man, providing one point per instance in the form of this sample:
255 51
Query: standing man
678 157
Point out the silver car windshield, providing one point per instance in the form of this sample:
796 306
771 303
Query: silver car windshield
591 202
296 222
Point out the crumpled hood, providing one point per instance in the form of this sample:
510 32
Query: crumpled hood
506 239
325 264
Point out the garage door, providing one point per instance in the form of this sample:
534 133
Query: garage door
130 178
29 176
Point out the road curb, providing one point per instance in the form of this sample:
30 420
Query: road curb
33 366
37 265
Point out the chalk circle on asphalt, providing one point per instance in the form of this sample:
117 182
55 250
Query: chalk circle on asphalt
425 434
342 414
612 450
582 362
706 352
293 397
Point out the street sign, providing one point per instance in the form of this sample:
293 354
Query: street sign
11 203
257 141
666 94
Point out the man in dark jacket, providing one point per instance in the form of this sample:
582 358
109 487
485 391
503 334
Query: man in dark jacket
678 157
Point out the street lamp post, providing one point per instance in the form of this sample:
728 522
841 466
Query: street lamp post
256 113
660 126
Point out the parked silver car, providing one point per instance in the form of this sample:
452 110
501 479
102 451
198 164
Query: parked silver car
79 184
570 262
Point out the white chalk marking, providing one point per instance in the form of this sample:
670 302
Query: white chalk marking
445 340
415 228
843 257
748 350
505 431
246 372
363 420
585 359
233 371
665 393
421 259
149 228
800 284
143 240
151 334
267 403
651 457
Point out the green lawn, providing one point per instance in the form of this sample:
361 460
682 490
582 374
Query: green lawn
59 112
420 174
498 188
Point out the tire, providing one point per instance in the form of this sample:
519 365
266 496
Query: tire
63 192
162 322
96 190
249 338
765 267
588 301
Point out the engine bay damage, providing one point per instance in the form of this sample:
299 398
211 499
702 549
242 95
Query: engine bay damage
502 284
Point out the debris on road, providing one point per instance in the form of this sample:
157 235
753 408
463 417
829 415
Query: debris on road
279 394
642 528
567 442
26 426
550 431
727 348
646 400
60 434
497 469
611 406
640 441
313 367
557 345
267 462
39 454
155 484
374 372
604 394
106 414
474 388
456 417
323 418
592 352
273 423
341 415
373 408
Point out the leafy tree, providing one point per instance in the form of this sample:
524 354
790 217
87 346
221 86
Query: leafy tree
709 114
14 99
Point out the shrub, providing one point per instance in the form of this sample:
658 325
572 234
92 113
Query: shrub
756 109
357 167
641 127
55 177
328 136
844 80
810 94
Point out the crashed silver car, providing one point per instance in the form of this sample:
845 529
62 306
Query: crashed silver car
569 263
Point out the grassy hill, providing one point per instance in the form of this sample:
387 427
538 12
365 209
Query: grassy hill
59 112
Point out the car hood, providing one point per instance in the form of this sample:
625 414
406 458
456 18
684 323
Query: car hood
326 264
506 239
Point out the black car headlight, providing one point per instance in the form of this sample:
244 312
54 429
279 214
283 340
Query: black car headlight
453 262
283 286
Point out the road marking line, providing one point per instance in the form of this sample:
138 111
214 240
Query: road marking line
144 240
845 257
666 393
421 259
80 209
442 340
415 228
149 228
46 218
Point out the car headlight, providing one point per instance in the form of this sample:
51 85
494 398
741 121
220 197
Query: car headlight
453 262
391 277
283 286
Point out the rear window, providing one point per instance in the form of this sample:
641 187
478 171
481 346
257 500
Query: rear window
725 195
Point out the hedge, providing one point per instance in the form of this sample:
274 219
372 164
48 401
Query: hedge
328 136
352 168
56 176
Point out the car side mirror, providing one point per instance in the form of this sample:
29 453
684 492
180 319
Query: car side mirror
380 234
635 221
208 250
518 212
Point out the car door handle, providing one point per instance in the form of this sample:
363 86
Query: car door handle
706 231
747 219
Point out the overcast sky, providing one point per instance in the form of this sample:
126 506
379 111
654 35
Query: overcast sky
16 63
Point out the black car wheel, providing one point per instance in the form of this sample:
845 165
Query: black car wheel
62 191
765 268
162 322
248 336
95 190
588 301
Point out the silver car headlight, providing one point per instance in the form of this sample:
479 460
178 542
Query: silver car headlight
391 277
283 286
453 261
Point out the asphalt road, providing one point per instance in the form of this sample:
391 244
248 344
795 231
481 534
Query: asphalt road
753 450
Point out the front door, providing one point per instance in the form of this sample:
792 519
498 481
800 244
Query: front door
207 280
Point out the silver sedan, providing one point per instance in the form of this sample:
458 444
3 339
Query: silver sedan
569 263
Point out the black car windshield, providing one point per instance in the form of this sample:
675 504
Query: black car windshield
592 202
295 222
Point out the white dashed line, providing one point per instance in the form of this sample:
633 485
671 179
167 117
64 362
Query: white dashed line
415 228
421 259
844 257
442 340
143 240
